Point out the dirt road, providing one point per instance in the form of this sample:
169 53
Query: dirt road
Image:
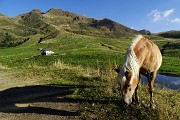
23 98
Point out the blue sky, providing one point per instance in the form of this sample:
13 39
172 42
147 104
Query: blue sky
153 15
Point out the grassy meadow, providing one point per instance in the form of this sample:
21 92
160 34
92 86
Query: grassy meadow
88 62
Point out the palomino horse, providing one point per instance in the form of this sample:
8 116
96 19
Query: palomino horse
142 57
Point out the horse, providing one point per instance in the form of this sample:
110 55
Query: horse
143 57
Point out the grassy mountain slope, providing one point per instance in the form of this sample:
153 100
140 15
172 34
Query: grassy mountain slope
88 26
70 22
56 22
11 32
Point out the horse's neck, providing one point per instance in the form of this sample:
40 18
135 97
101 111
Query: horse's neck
131 62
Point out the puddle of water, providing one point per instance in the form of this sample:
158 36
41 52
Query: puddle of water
164 81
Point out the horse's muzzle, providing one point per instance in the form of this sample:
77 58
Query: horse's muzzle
127 99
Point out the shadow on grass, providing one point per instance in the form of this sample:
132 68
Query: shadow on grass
32 94
57 94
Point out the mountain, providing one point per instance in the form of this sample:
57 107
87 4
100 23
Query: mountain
71 22
56 22
145 32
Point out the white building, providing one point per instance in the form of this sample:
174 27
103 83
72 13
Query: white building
46 52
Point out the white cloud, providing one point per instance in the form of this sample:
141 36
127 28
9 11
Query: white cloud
168 12
176 20
157 15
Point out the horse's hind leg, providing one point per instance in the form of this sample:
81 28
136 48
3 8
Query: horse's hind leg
151 79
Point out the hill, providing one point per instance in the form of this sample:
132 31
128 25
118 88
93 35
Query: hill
11 32
170 34
75 23
55 22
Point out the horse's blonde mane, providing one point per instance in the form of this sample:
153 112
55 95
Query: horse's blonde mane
131 62
135 41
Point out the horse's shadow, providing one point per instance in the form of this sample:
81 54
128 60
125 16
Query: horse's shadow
9 99
14 100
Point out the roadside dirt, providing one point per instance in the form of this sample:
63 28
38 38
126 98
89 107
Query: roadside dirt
23 98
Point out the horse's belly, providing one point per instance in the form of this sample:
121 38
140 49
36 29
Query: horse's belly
148 67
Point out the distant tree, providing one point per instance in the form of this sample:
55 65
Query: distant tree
7 40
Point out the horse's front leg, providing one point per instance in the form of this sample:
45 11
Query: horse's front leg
151 79
136 94
136 98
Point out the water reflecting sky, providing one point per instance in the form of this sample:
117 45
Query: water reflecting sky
164 81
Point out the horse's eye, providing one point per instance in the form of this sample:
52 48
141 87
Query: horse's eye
128 85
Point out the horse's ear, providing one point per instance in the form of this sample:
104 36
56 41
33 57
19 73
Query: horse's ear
117 70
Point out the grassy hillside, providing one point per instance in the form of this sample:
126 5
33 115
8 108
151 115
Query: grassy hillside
86 61
78 24
10 32
53 23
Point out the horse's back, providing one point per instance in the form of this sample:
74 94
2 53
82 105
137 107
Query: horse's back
148 54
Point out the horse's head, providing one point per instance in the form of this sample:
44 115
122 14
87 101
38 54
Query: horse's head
128 82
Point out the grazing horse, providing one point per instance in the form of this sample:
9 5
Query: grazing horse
142 57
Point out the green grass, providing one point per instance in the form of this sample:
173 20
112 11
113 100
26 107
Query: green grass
81 50
109 107
88 62
170 65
